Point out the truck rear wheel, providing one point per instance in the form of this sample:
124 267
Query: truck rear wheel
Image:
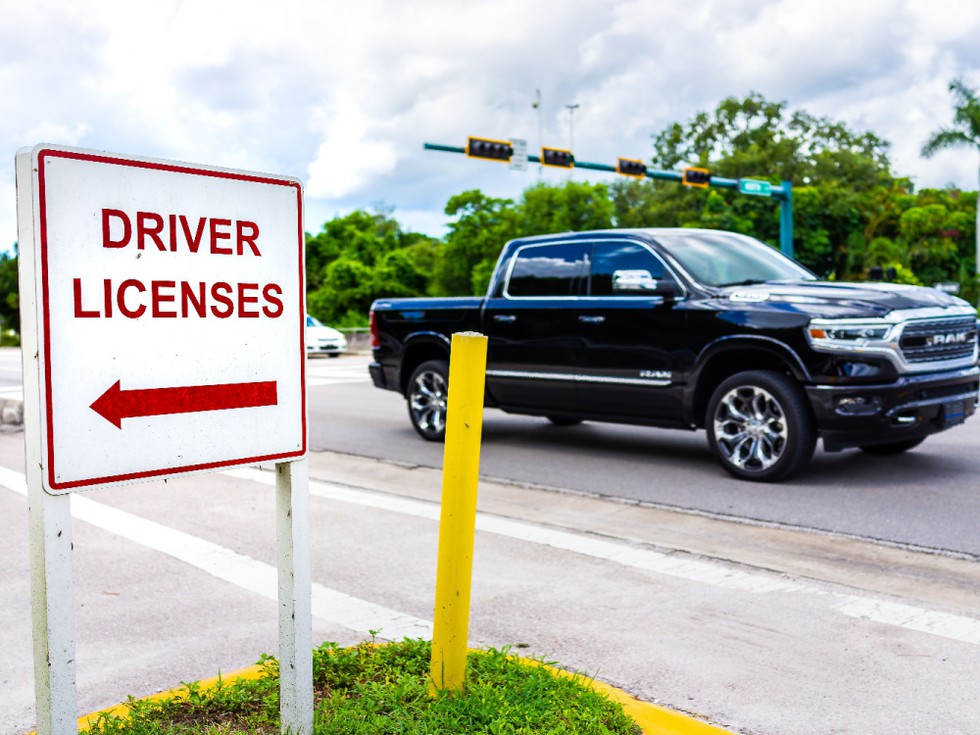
759 426
428 391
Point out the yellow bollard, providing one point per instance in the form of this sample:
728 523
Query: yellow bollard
457 525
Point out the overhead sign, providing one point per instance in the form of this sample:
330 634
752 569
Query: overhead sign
754 186
169 308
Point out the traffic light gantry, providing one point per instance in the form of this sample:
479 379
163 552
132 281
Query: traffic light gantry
502 150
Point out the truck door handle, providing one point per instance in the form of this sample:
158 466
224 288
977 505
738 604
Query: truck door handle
505 318
592 319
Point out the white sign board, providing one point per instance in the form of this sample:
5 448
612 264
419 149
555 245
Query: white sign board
170 312
518 161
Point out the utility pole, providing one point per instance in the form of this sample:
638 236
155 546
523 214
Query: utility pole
537 106
571 126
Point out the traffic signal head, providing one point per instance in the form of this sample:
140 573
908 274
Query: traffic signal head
557 157
699 177
495 150
631 167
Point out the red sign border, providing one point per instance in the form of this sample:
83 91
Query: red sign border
47 153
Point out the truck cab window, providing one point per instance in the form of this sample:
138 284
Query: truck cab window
625 269
549 270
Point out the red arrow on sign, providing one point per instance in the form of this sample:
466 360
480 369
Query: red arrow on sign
116 404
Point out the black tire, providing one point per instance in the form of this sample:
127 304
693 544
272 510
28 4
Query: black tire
886 450
558 421
333 354
760 427
428 391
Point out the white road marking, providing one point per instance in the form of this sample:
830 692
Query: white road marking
327 371
250 574
910 617
364 617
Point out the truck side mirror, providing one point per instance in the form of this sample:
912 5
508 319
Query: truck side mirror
633 281
642 283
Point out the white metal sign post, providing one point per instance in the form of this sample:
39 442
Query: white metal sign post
162 319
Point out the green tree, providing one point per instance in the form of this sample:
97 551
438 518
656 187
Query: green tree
928 233
345 294
9 295
360 235
572 207
965 131
755 137
482 225
833 170
359 257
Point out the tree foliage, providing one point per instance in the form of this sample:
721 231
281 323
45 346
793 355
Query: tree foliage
359 257
965 131
483 224
9 296
851 213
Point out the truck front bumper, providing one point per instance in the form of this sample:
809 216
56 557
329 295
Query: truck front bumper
909 408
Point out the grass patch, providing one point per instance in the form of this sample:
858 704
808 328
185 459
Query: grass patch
380 690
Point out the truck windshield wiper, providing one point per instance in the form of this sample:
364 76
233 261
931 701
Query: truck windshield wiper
745 282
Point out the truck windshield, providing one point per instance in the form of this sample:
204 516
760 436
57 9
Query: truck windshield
726 259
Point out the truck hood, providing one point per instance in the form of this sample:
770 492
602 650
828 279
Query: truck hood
842 299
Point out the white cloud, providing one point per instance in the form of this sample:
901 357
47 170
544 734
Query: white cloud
344 95
350 157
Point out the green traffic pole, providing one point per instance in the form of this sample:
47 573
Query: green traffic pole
786 219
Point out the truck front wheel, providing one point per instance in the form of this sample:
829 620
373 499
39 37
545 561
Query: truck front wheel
428 391
759 426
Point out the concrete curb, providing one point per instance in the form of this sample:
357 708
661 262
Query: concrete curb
652 719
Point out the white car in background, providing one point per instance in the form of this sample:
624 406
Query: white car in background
323 340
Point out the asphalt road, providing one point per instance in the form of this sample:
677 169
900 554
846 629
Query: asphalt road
926 498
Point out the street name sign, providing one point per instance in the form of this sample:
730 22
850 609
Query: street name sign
169 307
755 186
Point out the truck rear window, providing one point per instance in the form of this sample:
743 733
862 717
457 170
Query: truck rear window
549 270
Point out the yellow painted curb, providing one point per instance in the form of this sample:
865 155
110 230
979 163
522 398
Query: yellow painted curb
652 719
656 720
122 710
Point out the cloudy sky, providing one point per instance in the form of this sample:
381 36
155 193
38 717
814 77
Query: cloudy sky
343 94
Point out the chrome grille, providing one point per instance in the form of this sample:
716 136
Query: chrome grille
939 339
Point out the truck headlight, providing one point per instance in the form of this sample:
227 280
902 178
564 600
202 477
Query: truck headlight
864 333
847 335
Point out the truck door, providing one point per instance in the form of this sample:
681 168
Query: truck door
533 350
635 346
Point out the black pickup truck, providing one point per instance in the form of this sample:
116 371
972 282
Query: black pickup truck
694 329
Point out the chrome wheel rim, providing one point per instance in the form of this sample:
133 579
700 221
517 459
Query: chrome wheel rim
750 428
428 402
